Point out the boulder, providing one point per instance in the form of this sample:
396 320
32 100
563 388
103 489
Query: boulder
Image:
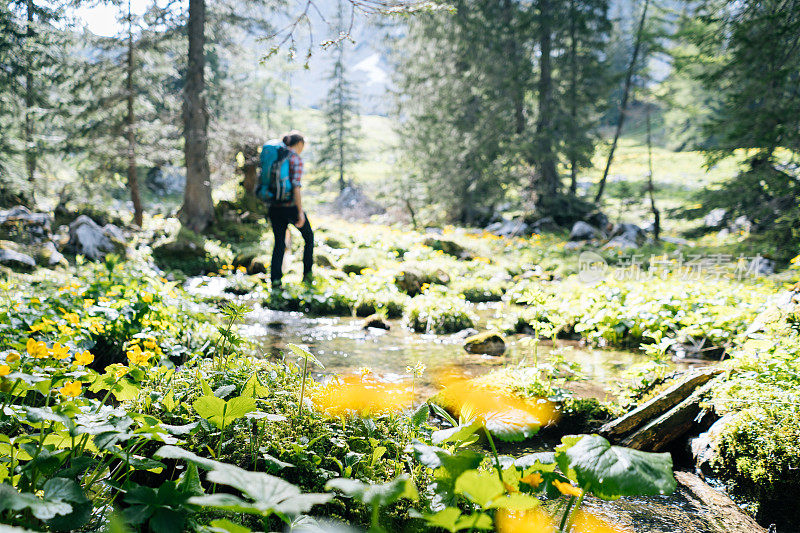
488 343
353 202
377 322
16 260
449 247
49 256
631 232
598 219
409 281
323 261
508 228
21 225
464 334
679 241
547 223
620 242
259 265
715 218
705 446
87 238
583 231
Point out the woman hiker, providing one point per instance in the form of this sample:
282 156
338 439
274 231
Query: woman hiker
281 214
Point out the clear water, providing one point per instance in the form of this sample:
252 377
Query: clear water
344 346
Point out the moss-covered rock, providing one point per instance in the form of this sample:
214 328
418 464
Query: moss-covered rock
376 321
488 343
449 247
187 253
409 281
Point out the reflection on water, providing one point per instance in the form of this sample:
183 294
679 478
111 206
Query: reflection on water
343 345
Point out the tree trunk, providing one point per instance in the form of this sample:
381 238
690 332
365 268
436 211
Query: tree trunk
197 212
547 175
130 122
573 92
30 128
650 186
512 44
624 103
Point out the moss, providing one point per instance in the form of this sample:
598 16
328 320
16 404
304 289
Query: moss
434 314
187 253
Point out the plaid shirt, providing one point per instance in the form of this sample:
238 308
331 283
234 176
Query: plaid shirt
295 169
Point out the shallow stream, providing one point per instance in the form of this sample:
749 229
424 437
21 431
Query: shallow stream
344 346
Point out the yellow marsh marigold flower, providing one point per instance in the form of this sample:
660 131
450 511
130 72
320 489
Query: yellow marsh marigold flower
361 395
147 298
60 352
4 370
12 357
65 330
531 521
534 480
35 300
588 523
150 344
72 318
36 327
566 488
71 388
37 349
137 357
84 358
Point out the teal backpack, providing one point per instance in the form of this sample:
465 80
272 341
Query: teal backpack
275 182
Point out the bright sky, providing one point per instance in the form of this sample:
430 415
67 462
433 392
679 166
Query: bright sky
103 19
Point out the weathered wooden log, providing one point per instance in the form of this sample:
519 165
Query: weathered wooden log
717 506
658 405
662 431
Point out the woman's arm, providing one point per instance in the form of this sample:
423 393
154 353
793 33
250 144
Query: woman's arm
298 201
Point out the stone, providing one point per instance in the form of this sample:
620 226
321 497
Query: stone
21 225
598 219
715 218
354 203
449 247
259 265
679 241
16 260
631 233
49 256
487 343
583 231
620 242
377 322
464 334
705 446
87 238
508 228
547 223
323 260
741 224
409 281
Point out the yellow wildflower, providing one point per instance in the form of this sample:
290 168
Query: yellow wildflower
65 330
137 356
60 352
72 318
117 369
37 349
12 357
71 388
147 298
36 327
534 480
150 344
84 358
566 488
35 300
4 370
88 302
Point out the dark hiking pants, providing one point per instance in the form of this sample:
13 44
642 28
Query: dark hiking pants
281 217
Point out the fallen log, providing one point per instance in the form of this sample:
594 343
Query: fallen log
718 506
659 433
658 405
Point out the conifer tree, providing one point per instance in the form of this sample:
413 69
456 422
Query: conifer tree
340 145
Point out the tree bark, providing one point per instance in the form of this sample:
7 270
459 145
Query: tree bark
624 103
197 212
130 122
573 92
30 127
547 176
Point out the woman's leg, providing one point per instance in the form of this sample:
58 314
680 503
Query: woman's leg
279 222
308 248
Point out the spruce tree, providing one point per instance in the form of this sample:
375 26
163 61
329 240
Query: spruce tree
340 145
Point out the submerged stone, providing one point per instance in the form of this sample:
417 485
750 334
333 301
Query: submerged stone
488 343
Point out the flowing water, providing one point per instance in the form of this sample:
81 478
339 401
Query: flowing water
344 346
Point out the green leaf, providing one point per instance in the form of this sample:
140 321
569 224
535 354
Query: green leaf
515 502
421 415
377 454
512 425
610 472
169 401
305 354
456 434
174 452
254 389
226 526
222 413
452 520
269 493
481 487
42 509
380 494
